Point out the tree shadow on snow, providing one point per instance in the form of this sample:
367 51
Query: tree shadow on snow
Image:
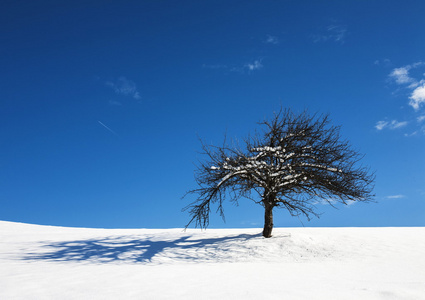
140 249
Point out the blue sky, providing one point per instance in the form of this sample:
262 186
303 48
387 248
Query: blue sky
102 102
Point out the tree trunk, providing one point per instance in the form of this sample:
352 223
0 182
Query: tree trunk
268 221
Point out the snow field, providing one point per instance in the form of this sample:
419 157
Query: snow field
43 262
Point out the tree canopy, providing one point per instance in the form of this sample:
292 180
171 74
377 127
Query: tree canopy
296 161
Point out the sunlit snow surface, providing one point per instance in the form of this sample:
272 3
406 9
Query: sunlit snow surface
42 262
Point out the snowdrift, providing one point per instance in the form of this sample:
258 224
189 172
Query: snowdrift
45 262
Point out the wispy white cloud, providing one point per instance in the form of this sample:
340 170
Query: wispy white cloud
395 197
215 67
381 125
394 124
409 78
245 68
333 202
335 33
272 40
114 103
385 62
255 65
411 134
417 98
125 87
402 76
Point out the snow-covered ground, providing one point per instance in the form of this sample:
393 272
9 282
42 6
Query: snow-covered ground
43 262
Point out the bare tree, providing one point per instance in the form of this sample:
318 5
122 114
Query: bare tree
297 161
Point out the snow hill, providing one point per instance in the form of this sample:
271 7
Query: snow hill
44 262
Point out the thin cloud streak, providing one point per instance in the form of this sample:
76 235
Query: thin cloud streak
107 128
